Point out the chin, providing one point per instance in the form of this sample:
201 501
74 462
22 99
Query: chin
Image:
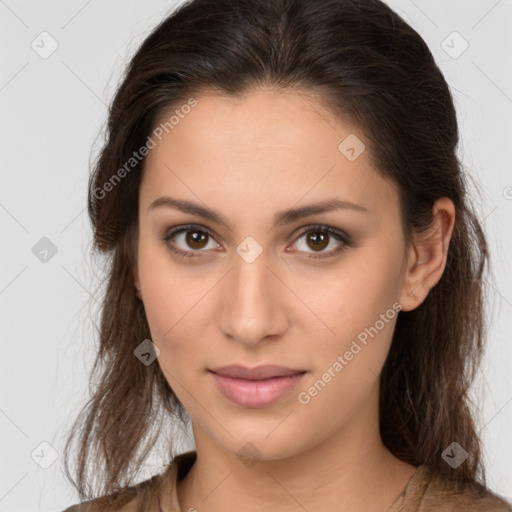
270 440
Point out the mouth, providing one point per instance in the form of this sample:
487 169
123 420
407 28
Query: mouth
255 387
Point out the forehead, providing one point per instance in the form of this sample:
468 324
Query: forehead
265 145
259 123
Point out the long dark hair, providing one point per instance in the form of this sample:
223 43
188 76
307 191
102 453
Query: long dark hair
368 66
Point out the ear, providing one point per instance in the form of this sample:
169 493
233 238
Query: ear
427 256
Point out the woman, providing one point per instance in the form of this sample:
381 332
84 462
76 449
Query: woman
295 266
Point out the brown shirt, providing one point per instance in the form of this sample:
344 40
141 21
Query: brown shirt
424 492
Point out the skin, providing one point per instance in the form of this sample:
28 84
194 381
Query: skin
249 158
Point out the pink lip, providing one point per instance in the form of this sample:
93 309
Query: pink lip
256 387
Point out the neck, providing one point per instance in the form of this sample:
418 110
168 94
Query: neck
351 470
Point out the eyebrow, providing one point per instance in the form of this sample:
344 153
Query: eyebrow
283 217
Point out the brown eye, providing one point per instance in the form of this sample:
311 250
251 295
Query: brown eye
196 239
189 241
318 238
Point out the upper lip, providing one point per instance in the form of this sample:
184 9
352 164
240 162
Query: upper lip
266 371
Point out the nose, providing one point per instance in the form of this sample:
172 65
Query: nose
253 302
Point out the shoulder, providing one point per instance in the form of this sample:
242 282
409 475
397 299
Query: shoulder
125 500
147 492
442 496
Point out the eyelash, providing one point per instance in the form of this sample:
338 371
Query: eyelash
338 235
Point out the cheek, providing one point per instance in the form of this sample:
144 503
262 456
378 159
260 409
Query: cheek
168 296
347 372
361 311
168 293
354 296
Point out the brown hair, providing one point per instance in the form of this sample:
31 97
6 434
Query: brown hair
369 66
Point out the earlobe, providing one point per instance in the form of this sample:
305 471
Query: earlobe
428 255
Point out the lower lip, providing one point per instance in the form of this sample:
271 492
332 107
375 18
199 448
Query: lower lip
255 393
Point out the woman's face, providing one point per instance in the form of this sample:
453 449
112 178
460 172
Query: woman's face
252 293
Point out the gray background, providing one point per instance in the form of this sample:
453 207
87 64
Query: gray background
53 110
